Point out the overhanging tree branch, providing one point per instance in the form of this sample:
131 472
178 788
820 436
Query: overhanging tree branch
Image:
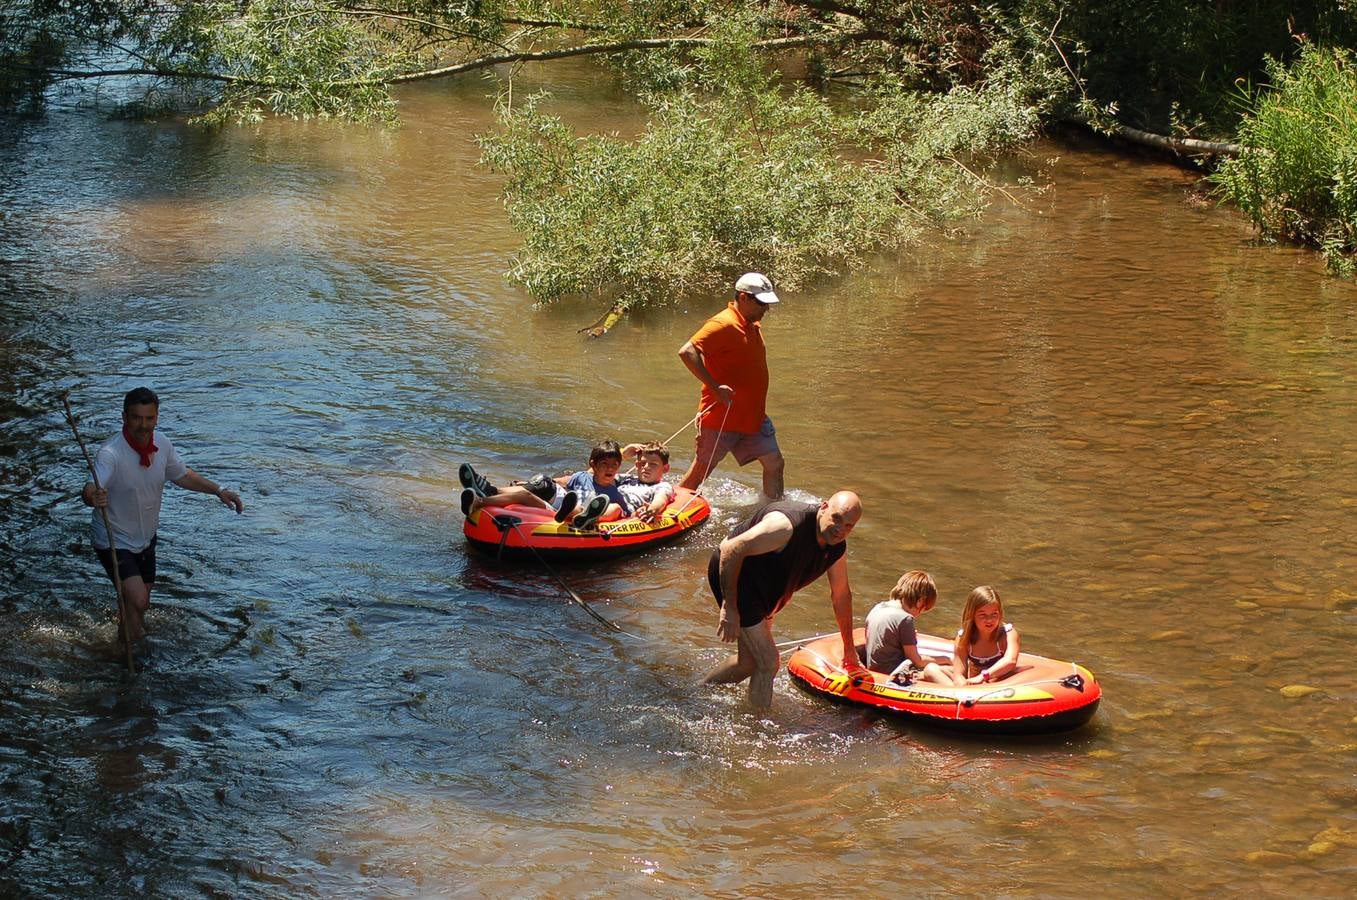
486 62
472 65
151 72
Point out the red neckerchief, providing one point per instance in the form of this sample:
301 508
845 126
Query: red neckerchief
144 452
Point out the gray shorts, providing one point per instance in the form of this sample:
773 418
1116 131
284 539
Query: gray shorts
714 445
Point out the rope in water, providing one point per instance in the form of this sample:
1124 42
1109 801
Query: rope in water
569 592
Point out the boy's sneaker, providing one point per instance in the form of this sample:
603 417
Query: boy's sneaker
468 496
470 478
568 504
588 520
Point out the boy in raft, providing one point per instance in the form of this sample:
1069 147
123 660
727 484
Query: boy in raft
598 487
645 490
986 646
893 642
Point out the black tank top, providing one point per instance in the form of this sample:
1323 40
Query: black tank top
767 581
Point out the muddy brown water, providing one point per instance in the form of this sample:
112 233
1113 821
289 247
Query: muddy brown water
1109 402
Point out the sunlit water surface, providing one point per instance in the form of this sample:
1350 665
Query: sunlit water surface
1109 402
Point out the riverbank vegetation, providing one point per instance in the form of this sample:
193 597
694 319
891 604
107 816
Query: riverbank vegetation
1301 182
746 160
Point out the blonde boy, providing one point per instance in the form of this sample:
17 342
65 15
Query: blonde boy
647 493
892 642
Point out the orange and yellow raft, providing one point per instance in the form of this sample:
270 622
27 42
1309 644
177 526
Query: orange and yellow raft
514 532
1041 696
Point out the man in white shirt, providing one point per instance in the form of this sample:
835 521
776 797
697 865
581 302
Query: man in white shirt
133 467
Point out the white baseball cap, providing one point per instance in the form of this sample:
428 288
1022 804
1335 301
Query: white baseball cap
758 285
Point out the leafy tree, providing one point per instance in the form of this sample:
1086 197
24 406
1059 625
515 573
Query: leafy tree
733 171
243 58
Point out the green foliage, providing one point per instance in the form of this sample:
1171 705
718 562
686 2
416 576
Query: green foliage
708 186
248 58
1299 179
744 177
298 58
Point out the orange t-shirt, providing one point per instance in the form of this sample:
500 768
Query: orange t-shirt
733 352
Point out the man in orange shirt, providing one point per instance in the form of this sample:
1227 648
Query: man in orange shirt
727 355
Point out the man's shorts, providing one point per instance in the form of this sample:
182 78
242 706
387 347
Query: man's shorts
131 565
713 445
752 612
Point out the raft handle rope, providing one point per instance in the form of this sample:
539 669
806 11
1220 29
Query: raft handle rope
504 523
854 680
690 423
1065 681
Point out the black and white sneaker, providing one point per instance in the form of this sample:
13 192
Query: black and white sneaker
468 495
470 478
588 520
568 504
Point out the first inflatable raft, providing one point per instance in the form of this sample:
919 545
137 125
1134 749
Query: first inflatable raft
1041 696
516 532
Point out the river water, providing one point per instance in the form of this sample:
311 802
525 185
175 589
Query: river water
1107 401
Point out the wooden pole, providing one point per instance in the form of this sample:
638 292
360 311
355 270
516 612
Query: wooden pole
108 529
